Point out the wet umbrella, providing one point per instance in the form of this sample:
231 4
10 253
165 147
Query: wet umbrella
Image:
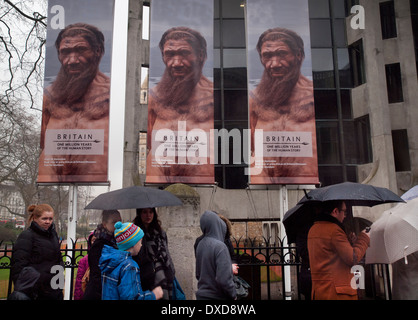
410 194
395 234
354 194
134 197
300 218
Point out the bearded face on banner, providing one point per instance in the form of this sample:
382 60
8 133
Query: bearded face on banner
80 48
281 53
184 54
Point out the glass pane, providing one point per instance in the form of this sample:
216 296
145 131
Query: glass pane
340 33
346 80
320 33
233 33
235 78
234 58
216 34
328 145
236 105
325 104
235 177
351 173
318 9
323 68
217 106
350 143
330 175
401 150
339 9
232 9
346 104
216 8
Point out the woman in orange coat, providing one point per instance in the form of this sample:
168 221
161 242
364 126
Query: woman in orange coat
331 255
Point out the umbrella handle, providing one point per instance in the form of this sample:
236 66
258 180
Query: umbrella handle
404 254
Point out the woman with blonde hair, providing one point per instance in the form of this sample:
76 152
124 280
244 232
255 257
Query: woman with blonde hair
37 249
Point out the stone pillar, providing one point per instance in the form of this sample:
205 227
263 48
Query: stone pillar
182 225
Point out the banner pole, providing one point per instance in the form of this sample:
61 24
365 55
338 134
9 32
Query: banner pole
284 207
71 236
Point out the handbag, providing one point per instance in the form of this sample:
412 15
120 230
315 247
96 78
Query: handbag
85 280
241 287
178 293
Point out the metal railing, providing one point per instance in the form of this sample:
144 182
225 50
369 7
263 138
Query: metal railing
265 264
71 256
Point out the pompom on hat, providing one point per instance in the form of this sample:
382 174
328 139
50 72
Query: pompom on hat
127 235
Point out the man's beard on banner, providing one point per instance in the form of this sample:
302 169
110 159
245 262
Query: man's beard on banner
176 91
69 89
275 92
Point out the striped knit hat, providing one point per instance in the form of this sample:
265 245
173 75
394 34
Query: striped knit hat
127 235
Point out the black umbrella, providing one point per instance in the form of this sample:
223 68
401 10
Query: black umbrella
300 218
354 194
134 197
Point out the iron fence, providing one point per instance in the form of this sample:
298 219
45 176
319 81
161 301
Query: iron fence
271 269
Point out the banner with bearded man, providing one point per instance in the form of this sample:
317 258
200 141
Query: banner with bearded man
281 104
75 112
180 99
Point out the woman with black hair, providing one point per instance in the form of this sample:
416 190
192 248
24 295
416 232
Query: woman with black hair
154 260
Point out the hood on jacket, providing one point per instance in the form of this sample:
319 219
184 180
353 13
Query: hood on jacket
212 226
111 258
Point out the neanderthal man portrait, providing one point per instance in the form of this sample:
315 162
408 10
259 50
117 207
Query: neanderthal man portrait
75 115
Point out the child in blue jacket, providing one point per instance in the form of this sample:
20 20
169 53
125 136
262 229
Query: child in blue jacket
120 273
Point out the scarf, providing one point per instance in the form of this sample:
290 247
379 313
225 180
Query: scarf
156 247
102 233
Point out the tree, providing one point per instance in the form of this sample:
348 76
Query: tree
22 41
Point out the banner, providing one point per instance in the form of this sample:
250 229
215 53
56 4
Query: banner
281 104
180 99
75 112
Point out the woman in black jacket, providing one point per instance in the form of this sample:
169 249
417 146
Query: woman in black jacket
154 260
38 247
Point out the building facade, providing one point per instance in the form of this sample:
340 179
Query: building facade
364 67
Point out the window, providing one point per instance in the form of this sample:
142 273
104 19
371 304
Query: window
230 83
357 63
401 150
145 21
394 82
414 20
357 139
388 20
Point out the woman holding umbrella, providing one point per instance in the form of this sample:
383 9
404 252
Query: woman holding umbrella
154 260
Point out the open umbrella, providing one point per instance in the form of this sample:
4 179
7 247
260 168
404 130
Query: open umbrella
300 218
410 194
134 197
395 234
354 194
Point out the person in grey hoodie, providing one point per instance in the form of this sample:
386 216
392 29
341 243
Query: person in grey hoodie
213 261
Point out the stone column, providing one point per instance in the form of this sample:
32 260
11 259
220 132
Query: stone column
182 225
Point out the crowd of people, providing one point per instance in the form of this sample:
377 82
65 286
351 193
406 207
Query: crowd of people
125 261
131 261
